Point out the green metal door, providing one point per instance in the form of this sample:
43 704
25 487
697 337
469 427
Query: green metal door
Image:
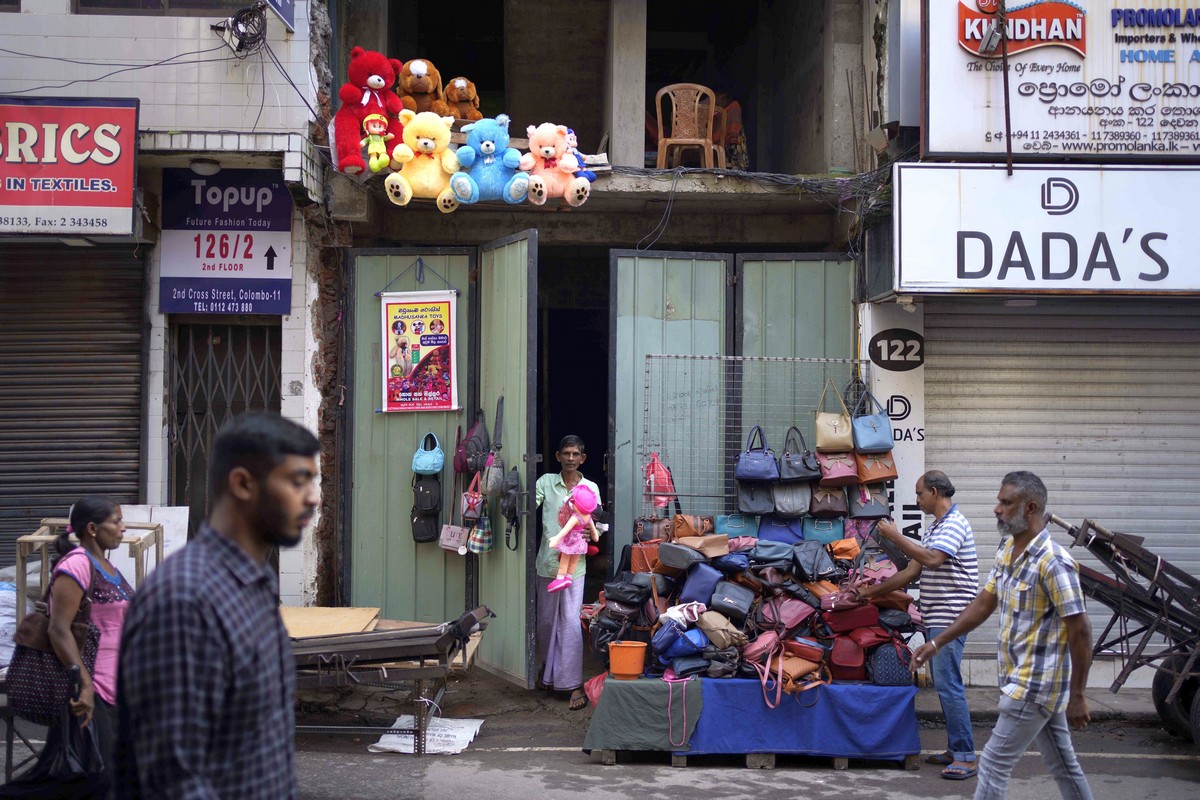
664 303
386 568
507 295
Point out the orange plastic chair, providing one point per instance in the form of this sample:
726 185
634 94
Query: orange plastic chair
691 123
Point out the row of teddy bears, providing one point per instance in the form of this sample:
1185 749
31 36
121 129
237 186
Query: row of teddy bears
407 129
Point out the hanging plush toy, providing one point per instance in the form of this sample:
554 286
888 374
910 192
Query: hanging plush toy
489 166
463 99
421 88
368 93
428 162
552 168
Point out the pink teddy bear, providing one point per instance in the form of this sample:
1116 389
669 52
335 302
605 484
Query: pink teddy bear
552 167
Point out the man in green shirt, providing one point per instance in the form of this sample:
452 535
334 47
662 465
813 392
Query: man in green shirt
559 636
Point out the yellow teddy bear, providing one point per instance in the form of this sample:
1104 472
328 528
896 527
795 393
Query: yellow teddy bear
427 162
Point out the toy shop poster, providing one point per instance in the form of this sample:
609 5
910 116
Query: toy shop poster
419 351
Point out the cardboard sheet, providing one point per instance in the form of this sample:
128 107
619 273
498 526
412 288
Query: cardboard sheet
301 622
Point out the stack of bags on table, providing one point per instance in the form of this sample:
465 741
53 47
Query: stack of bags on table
786 613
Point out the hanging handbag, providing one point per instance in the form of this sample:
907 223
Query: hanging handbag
772 528
756 463
460 452
875 467
454 537
833 429
492 483
429 458
735 524
824 531
871 425
828 501
481 539
690 525
470 504
755 497
39 684
791 499
837 469
869 502
658 482
798 463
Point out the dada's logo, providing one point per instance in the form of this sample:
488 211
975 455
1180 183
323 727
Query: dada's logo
1059 196
1041 23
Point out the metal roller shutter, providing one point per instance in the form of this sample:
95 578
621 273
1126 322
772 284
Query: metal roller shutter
71 375
1098 397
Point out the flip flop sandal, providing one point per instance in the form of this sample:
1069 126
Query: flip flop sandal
955 773
577 703
941 759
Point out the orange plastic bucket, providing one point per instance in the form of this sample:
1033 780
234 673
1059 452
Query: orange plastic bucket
626 660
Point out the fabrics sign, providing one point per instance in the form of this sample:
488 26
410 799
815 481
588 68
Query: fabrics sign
68 165
419 351
1053 229
226 243
1108 79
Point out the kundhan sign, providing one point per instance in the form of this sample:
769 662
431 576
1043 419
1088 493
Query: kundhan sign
1098 79
1053 229
68 165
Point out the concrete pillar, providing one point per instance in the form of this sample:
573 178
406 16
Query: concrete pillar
844 85
625 83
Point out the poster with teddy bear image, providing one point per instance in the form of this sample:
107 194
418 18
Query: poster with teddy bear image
419 351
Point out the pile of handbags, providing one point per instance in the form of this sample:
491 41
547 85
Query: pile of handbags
786 613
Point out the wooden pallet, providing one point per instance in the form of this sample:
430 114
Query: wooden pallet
765 760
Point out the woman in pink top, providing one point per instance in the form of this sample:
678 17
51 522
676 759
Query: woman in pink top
99 525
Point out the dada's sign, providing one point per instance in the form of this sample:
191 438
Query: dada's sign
1053 229
1106 79
67 165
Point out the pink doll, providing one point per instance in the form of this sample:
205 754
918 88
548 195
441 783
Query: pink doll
571 542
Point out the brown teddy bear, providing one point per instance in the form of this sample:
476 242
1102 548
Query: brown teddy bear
463 99
420 88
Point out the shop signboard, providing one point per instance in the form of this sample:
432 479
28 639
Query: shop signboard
1050 229
68 165
226 243
1100 79
419 351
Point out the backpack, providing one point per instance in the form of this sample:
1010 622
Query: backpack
508 508
425 527
476 444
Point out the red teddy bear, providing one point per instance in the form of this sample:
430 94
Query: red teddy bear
369 91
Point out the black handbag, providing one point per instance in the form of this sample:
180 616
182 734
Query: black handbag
771 554
798 463
756 463
733 600
813 563
755 497
869 501
626 592
679 556
686 666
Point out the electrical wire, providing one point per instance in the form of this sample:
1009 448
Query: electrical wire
44 57
169 62
279 66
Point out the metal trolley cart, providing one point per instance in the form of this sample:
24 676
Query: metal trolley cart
1155 619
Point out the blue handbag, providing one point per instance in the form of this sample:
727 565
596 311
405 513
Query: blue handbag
688 643
756 463
772 528
735 524
732 563
429 460
823 530
665 636
701 580
872 428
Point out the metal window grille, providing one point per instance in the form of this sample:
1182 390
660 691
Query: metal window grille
699 411
217 372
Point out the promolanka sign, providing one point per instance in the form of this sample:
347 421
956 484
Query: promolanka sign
1054 229
1087 78
226 243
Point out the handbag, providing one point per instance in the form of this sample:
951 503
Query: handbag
806 648
39 684
796 674
647 529
454 538
679 556
429 458
643 556
871 425
755 497
895 600
756 463
732 563
833 430
712 545
828 501
735 524
659 484
875 467
784 615
492 484
769 553
687 666
846 660
837 469
665 636
812 563
772 528
470 502
798 464
732 600
720 631
825 531
869 502
791 499
846 549
691 525
700 584
889 664
845 598
481 539
626 592
848 619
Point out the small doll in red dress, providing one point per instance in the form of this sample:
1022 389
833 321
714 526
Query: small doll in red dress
577 528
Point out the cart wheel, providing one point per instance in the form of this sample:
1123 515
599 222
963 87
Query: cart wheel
1176 716
1195 718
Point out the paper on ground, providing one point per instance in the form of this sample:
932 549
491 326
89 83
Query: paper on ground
444 736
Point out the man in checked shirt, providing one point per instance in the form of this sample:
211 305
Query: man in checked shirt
1045 644
206 681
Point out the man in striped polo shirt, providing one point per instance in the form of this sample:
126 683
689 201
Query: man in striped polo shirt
1045 644
945 562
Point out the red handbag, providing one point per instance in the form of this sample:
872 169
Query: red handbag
837 601
660 487
851 618
896 599
785 615
837 469
805 648
846 660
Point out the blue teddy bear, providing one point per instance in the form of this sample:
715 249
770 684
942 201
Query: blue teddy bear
488 166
